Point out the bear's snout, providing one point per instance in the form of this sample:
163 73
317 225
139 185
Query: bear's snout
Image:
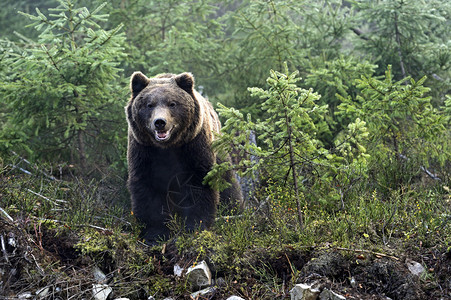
160 124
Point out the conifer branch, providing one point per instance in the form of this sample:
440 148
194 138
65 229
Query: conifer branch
360 34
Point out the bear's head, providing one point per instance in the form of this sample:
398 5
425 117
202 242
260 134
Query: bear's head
163 111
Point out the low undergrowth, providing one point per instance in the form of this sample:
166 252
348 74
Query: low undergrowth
58 229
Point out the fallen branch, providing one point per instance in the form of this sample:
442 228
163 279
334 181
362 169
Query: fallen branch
8 217
5 254
38 267
77 225
367 251
46 198
33 166
21 169
430 174
425 170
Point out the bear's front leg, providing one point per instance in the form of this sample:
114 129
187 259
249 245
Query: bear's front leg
151 209
192 201
188 197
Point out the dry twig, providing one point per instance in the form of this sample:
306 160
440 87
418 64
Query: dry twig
46 198
367 251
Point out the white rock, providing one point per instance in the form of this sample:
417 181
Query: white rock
304 292
121 299
330 295
12 241
42 293
353 282
24 296
415 268
200 275
178 270
203 293
101 291
235 298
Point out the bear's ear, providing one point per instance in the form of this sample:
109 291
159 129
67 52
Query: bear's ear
186 82
138 82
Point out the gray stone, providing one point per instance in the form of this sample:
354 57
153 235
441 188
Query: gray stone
42 293
199 276
304 292
330 295
328 265
219 282
415 268
101 291
99 276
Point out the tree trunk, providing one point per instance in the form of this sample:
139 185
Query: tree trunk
296 187
81 150
293 172
398 41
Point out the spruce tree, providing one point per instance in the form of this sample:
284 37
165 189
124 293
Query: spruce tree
61 95
288 155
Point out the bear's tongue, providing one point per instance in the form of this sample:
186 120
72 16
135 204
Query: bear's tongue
162 134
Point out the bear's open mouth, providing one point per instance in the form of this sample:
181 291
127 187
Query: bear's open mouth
162 135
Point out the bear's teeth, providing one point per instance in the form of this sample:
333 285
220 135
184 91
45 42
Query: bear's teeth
162 135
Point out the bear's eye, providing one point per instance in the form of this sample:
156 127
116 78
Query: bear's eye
172 104
149 105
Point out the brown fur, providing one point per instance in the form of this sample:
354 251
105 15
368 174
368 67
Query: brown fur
171 128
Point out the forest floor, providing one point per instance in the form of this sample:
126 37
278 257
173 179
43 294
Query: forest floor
43 260
55 249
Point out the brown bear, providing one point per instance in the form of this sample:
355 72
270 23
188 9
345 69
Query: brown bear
170 131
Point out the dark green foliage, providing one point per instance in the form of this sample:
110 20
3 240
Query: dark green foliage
405 130
407 34
266 34
60 95
171 36
11 21
335 78
412 36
